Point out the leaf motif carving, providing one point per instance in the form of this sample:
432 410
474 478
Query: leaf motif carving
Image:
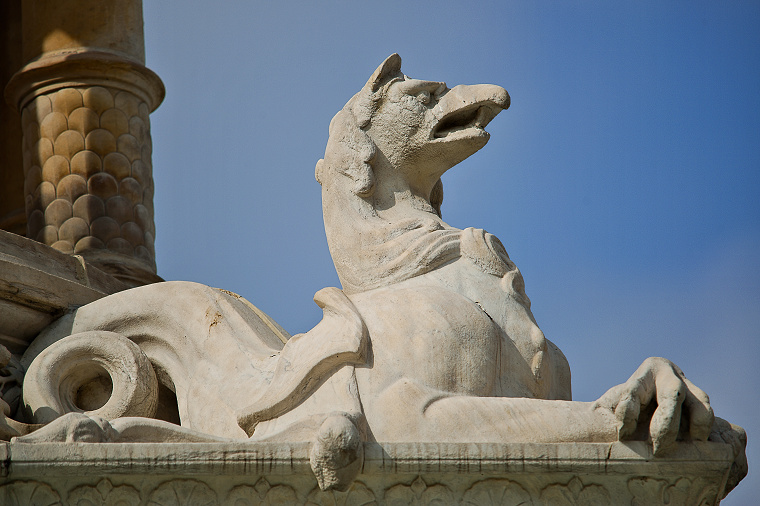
497 491
650 491
104 493
260 495
574 493
419 493
357 495
29 493
183 493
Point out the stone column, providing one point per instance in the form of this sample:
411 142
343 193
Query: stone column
85 98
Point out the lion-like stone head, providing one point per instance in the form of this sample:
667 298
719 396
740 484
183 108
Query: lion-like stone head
381 174
418 128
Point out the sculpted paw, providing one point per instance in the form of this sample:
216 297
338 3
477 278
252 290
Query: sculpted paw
337 454
652 403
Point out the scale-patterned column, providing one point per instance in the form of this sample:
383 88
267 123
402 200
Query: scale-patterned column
87 159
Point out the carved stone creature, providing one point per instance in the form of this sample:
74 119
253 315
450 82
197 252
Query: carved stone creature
431 339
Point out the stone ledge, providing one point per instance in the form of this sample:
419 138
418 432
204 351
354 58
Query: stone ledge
406 473
39 284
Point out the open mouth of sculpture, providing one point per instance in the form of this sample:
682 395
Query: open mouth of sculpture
476 116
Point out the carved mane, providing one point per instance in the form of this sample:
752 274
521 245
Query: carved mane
392 252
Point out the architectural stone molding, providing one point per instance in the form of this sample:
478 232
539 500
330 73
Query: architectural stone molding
39 284
75 67
267 473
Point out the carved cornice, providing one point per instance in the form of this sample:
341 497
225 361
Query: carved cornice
410 473
84 67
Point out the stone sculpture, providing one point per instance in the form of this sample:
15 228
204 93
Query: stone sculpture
431 338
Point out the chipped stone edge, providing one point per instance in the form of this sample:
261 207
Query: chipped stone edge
19 460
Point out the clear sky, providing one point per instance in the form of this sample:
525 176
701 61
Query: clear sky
624 180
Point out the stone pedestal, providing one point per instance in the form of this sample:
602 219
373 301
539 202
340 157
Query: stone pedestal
261 473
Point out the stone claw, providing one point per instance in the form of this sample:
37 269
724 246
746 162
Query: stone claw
660 383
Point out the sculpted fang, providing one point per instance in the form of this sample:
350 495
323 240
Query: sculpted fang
430 339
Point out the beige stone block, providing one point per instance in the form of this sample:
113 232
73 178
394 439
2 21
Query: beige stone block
66 100
48 235
131 190
68 143
132 233
84 120
117 165
129 146
89 208
71 187
88 243
105 229
57 212
51 126
98 99
73 230
86 163
55 168
119 208
103 185
115 121
101 141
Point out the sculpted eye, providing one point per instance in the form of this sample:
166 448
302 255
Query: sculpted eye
424 97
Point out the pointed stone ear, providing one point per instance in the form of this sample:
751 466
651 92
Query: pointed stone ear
388 69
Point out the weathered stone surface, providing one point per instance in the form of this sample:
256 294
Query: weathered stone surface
84 129
428 361
268 473
38 284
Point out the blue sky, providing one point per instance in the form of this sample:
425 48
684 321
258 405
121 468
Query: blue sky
624 180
